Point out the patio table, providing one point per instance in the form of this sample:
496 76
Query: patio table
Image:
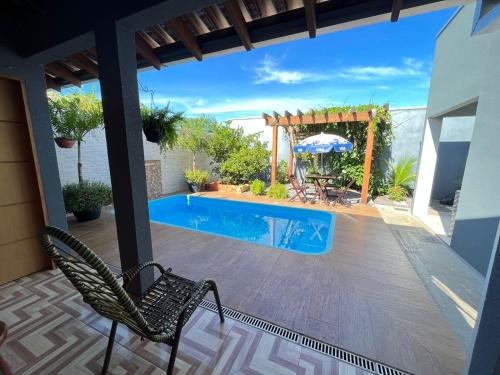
321 182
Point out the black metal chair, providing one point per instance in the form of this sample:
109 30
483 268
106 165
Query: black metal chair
158 315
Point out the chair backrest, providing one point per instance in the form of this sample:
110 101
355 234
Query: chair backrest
294 182
93 279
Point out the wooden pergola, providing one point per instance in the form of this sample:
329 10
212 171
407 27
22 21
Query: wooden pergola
318 118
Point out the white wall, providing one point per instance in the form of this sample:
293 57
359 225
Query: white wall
96 168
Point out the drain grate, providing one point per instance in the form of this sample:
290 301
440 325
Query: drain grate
307 342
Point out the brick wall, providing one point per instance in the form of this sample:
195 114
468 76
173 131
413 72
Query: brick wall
96 168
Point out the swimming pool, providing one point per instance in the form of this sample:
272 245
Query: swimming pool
293 229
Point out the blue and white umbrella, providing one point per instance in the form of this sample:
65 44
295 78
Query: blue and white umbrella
322 144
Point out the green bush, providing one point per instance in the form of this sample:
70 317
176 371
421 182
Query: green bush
197 177
86 196
282 172
397 193
245 165
258 187
277 191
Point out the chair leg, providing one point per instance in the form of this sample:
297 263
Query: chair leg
173 353
217 301
109 348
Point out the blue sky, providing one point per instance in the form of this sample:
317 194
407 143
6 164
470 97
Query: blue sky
385 62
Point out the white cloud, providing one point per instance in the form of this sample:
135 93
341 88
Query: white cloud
269 71
409 68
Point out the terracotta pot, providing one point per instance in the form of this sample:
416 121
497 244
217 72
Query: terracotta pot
213 186
65 142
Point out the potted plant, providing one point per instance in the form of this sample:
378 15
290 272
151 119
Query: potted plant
85 199
160 125
73 117
196 179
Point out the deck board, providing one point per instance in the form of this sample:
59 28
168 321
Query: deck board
363 296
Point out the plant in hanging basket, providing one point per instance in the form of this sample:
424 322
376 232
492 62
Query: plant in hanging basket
64 142
160 125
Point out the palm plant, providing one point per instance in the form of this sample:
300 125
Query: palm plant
74 116
160 125
402 176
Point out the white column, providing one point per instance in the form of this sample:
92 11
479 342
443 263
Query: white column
426 166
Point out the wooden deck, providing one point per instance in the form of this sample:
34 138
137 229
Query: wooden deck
363 296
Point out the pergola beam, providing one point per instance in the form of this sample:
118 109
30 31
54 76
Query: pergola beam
59 70
83 62
144 49
319 118
186 37
310 10
396 9
239 24
52 84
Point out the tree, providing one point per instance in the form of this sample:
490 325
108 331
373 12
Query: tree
74 116
192 135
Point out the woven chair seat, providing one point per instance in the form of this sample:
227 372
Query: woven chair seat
162 303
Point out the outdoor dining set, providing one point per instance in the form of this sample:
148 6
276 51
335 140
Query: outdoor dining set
322 186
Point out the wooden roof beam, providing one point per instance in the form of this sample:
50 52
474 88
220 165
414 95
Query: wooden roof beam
83 62
310 10
59 70
144 49
215 14
236 16
197 22
186 37
52 84
293 4
396 9
162 34
266 7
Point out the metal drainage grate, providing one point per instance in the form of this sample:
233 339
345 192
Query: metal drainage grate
308 342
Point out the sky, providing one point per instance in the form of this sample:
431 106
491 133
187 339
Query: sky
381 63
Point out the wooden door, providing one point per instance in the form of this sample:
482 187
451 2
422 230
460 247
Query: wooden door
21 211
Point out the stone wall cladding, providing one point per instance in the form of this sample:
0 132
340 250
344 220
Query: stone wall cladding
153 178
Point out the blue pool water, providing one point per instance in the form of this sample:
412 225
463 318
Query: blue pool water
287 228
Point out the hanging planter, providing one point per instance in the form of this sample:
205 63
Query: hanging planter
160 125
64 142
152 134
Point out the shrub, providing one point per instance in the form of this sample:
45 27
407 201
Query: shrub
165 121
277 191
282 172
245 165
86 196
397 193
192 135
258 187
197 177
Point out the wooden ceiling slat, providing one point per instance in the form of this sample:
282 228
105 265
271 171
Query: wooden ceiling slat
83 62
396 9
145 50
162 34
294 4
52 84
217 17
310 9
186 37
244 11
234 13
148 39
57 69
198 24
266 7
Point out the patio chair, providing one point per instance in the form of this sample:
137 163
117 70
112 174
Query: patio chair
158 315
340 194
300 189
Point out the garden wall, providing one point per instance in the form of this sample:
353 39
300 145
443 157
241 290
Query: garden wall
95 162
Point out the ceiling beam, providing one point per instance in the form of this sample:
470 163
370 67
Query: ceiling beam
396 8
186 37
162 34
83 62
52 84
310 9
197 22
244 10
266 7
217 17
145 50
148 39
294 4
234 13
59 70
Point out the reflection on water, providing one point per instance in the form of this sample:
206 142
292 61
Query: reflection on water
305 231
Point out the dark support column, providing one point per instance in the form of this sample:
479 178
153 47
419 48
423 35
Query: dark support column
120 98
35 95
484 356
